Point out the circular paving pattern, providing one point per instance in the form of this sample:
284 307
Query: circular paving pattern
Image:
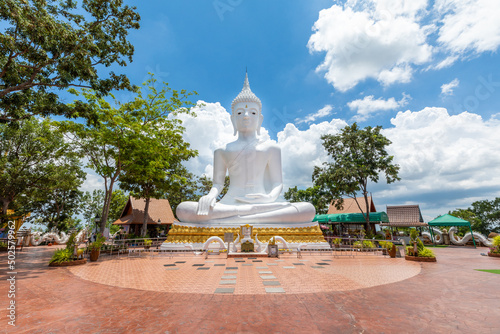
194 274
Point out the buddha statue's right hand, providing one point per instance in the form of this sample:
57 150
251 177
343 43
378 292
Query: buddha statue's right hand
204 204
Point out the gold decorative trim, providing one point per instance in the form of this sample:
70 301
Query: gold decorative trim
188 234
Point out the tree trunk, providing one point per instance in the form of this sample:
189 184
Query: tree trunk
145 219
107 202
367 216
5 206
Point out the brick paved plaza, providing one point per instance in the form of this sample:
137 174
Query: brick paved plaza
315 294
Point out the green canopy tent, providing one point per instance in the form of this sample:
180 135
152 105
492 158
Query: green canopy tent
351 218
449 220
375 217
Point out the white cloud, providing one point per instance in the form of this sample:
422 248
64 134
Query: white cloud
388 40
323 112
469 25
370 39
302 150
447 89
447 161
367 106
92 181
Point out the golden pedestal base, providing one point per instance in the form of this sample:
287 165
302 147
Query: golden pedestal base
187 234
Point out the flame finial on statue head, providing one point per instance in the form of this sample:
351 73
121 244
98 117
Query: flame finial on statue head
246 95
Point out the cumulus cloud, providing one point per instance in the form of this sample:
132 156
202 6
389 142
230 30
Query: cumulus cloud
370 39
302 150
323 112
388 40
447 89
367 106
446 160
469 25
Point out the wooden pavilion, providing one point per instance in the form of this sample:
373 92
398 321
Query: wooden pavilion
351 207
160 216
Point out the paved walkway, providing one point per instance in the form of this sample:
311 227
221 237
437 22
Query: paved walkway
316 294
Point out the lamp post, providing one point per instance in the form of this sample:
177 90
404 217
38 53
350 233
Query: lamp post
97 220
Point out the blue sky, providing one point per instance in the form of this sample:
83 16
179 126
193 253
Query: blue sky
427 71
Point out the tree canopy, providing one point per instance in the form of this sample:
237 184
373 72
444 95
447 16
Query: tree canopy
37 166
50 45
311 195
156 149
138 143
357 157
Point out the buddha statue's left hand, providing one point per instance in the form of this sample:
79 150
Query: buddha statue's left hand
256 198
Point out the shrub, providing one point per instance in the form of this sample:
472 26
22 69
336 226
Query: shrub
337 241
70 244
426 252
96 245
357 244
368 244
148 242
496 241
62 255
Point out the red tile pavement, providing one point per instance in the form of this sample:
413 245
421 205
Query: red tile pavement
368 295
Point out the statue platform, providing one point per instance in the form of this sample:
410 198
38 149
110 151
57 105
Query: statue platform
193 236
246 255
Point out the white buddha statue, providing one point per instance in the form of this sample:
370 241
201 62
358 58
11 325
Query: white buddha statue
255 175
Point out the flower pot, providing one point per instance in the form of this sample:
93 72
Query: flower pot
146 247
420 258
493 254
50 244
94 254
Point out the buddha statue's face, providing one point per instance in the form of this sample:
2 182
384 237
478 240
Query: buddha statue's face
246 117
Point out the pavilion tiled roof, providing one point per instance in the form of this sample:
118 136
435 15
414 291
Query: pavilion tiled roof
350 206
405 216
133 213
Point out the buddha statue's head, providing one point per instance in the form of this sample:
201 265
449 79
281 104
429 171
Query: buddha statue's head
246 110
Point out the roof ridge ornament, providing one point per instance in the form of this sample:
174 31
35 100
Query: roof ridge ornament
246 95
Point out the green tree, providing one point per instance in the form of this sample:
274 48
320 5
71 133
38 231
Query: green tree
91 205
357 156
31 152
102 142
57 200
156 150
50 45
118 201
311 195
468 215
488 212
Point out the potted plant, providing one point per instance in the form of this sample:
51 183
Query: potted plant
147 243
336 242
419 253
495 250
95 247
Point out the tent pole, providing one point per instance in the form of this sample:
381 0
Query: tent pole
472 234
432 236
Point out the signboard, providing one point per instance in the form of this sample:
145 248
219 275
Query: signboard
228 237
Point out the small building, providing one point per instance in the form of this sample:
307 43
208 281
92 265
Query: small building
351 210
404 216
160 216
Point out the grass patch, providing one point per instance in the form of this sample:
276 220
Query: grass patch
437 246
493 271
